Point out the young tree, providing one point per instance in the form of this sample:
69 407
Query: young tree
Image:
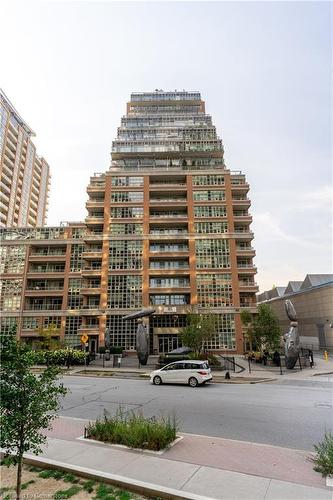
266 328
27 403
247 319
200 328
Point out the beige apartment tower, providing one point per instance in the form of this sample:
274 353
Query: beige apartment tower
24 176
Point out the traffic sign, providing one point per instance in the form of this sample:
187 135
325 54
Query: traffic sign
84 338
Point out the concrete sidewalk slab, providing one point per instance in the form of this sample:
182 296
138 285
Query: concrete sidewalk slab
168 478
227 485
279 490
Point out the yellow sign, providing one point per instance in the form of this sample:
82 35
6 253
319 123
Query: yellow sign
84 338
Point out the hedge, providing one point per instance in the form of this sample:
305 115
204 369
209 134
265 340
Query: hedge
59 357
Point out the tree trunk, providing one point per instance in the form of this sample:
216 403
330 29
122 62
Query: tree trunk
19 478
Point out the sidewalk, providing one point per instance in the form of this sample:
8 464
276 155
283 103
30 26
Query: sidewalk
259 373
197 467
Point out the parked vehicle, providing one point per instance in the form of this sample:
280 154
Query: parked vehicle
179 354
192 372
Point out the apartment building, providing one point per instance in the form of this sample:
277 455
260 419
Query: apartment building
167 227
41 281
24 176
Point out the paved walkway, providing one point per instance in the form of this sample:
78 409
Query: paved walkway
322 370
196 467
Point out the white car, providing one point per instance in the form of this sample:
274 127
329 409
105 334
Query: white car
189 371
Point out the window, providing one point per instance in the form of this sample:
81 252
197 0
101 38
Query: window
126 212
12 259
122 333
209 195
126 196
208 180
214 290
76 258
210 211
212 254
130 228
124 291
211 227
125 254
10 296
127 181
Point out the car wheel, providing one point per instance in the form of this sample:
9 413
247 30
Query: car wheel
193 382
157 380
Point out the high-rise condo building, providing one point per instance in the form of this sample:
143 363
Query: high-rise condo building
167 227
24 176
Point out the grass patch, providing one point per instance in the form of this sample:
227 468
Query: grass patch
24 486
55 473
104 492
89 485
34 469
73 490
134 430
70 478
324 459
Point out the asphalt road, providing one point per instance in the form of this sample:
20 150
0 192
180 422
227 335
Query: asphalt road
288 413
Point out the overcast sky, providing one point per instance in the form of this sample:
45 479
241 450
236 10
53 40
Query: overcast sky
263 68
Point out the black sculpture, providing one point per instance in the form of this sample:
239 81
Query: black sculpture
142 336
291 338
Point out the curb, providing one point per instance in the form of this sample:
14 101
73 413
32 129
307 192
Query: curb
145 376
134 485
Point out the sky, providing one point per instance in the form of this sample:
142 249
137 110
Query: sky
263 68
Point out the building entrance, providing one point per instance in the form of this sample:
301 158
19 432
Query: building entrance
167 343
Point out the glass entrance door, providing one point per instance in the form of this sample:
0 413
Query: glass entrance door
167 343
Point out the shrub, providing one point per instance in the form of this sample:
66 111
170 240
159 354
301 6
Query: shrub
324 459
116 350
59 357
134 430
102 349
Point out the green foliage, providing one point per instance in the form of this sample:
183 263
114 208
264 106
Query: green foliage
59 357
200 329
24 486
70 478
48 337
266 328
116 350
89 485
73 490
324 459
104 492
247 318
212 360
28 402
55 473
134 430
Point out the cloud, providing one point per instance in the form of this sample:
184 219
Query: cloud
267 227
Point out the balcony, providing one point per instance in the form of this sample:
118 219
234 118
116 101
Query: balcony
46 306
248 286
91 270
90 290
94 219
245 251
92 254
46 269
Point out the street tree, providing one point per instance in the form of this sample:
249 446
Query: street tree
266 328
200 329
27 405
247 319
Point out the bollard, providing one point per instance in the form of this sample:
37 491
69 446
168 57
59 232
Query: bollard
249 360
325 355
